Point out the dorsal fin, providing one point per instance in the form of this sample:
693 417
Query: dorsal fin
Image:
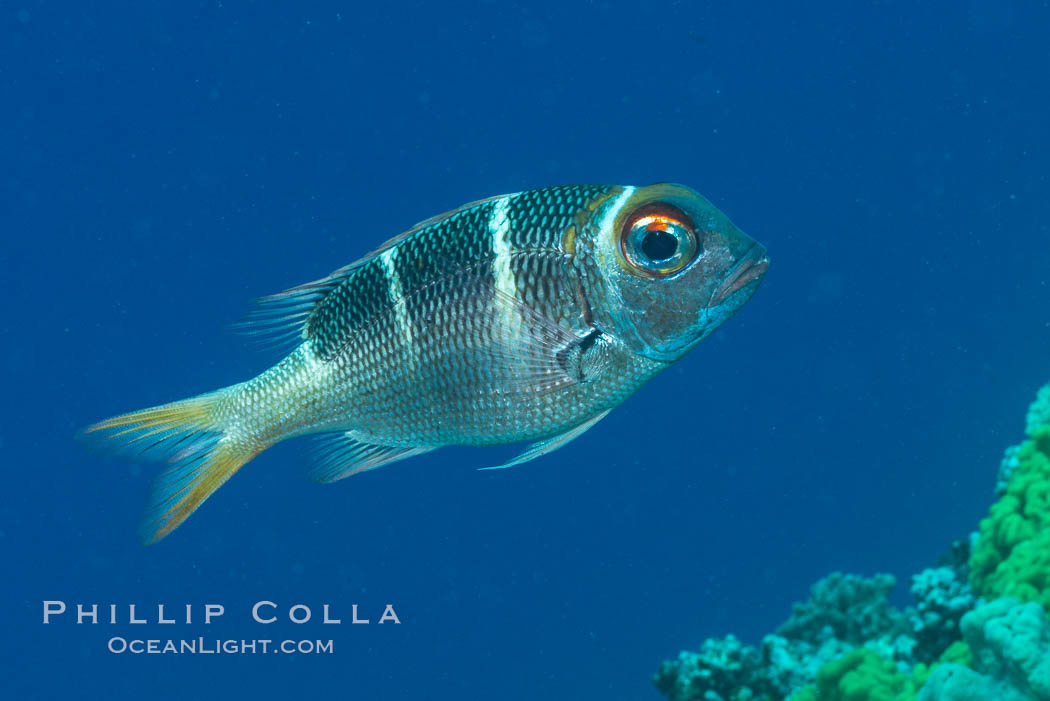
283 318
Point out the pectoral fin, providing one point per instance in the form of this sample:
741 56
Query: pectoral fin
551 444
528 346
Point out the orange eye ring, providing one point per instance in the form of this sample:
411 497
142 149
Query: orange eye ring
658 240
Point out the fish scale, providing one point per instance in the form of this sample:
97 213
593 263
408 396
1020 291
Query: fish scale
523 317
540 217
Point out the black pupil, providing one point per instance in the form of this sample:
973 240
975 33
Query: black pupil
659 245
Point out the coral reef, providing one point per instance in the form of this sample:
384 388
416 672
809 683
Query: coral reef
958 683
723 670
791 664
1012 553
978 630
1039 412
846 633
1007 467
941 598
854 608
862 674
1010 645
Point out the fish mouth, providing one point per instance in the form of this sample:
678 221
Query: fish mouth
750 268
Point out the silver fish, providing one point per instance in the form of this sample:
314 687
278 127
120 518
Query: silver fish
523 317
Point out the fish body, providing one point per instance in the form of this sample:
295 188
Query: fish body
523 317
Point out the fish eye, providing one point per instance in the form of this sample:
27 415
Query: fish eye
659 245
659 240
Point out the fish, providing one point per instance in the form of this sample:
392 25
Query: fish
520 318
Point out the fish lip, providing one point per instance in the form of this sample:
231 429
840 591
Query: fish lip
751 267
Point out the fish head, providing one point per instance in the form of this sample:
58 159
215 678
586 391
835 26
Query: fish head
673 268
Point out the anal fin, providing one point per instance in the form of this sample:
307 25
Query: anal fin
340 455
549 445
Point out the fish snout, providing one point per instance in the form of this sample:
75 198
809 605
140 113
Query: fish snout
748 271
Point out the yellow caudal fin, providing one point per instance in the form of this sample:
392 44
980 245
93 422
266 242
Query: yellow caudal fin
200 455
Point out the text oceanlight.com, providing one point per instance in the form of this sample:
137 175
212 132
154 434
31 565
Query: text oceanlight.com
205 646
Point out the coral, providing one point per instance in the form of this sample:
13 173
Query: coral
1038 412
1010 643
942 598
958 653
1012 553
846 643
952 682
957 557
1037 417
723 670
791 664
863 675
866 675
843 612
856 610
1007 467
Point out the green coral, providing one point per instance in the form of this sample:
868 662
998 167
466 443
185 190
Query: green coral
863 675
957 653
1012 555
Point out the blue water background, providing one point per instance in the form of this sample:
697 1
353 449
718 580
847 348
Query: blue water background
163 163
